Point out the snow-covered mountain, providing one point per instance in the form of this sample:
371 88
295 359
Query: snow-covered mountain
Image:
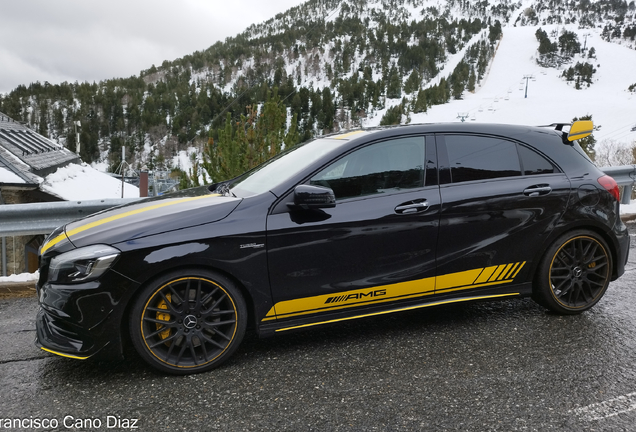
501 97
348 63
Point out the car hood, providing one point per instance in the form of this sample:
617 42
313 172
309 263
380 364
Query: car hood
150 217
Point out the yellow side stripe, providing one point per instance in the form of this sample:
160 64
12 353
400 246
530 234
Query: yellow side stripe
469 279
64 355
99 222
398 310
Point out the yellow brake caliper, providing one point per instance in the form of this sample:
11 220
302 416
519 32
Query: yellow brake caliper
164 317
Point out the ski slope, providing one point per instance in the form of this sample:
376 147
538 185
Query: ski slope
500 98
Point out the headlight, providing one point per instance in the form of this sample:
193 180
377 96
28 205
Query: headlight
83 264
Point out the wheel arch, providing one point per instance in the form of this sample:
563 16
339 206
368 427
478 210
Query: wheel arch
125 318
550 248
603 233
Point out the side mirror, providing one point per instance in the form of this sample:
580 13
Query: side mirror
313 197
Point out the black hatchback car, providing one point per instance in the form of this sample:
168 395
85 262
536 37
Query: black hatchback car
346 226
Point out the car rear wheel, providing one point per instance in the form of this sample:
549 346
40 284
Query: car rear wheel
574 273
188 321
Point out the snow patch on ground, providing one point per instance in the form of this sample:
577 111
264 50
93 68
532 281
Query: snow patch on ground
22 277
83 182
628 208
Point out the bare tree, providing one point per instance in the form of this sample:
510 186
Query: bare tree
613 153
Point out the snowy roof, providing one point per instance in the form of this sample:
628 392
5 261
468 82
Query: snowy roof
82 182
8 176
29 159
24 152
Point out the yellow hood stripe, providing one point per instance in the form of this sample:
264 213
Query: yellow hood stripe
348 135
99 222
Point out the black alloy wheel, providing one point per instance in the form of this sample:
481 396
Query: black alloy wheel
188 322
574 273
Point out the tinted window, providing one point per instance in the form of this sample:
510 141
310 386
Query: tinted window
534 163
480 158
379 168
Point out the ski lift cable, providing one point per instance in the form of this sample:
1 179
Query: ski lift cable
620 130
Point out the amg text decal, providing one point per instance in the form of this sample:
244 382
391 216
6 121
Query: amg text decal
356 296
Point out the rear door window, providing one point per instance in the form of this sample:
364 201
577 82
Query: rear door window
535 164
480 158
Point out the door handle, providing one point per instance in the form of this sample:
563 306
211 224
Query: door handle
537 190
412 207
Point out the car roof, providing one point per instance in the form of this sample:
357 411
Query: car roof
508 130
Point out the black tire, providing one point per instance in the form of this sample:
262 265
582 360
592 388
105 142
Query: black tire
574 273
188 321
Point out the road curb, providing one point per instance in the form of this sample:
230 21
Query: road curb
628 217
22 289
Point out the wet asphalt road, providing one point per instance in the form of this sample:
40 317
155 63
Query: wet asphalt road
503 366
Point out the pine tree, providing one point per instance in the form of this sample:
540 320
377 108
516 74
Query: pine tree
255 138
394 87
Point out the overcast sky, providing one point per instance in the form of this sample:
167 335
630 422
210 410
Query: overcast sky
79 40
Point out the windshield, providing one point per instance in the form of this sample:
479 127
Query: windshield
282 167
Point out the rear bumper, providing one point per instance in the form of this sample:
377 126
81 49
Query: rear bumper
622 253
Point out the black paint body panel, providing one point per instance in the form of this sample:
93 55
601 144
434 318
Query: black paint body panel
276 253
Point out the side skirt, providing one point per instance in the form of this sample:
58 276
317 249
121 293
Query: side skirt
271 328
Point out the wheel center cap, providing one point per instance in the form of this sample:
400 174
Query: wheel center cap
577 272
190 321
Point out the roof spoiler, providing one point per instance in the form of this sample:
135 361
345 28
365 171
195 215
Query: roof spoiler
578 130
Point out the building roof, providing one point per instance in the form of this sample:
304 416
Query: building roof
27 154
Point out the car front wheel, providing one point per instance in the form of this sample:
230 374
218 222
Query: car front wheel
574 273
188 321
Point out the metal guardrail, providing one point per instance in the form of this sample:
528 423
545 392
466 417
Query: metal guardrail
43 218
625 176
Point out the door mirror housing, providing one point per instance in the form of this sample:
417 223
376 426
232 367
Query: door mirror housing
313 197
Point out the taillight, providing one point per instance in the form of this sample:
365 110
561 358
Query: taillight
610 185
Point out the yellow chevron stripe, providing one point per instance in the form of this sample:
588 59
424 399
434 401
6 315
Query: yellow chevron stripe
519 269
485 275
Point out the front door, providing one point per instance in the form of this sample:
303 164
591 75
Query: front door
377 246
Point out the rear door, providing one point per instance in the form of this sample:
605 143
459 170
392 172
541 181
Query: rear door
500 199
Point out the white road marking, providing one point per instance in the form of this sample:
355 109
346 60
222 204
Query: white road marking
609 408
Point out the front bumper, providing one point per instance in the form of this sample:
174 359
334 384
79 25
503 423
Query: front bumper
80 320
